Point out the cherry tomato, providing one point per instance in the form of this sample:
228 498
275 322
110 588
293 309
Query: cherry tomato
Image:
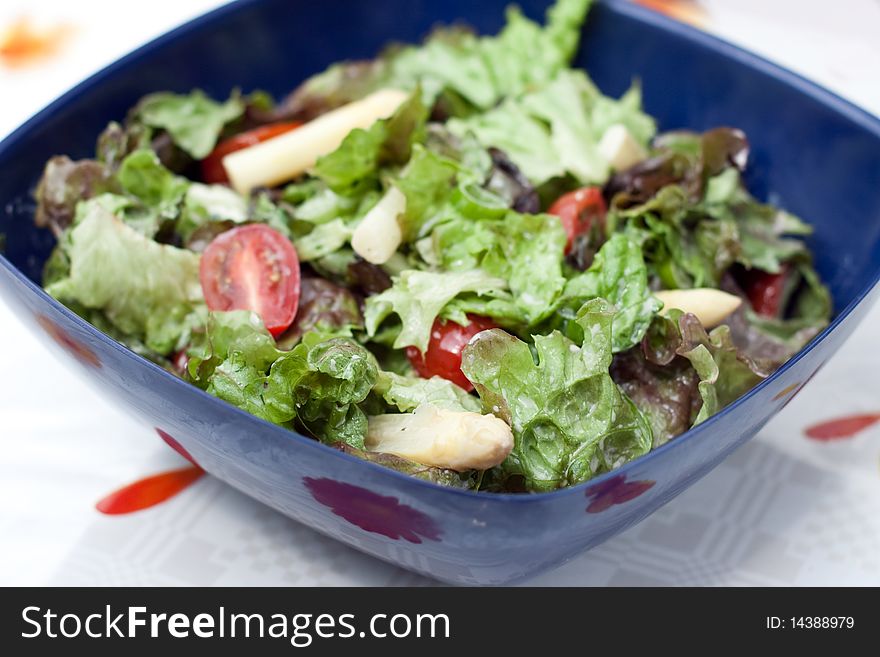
765 291
443 357
212 166
577 210
256 268
180 361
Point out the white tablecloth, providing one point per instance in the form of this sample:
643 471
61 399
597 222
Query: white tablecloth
782 510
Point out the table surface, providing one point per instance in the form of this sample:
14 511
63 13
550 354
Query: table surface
815 521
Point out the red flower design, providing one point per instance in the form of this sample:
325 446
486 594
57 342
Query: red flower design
176 446
72 346
616 490
372 512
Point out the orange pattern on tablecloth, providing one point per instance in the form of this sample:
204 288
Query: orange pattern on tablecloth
686 11
23 42
149 491
842 427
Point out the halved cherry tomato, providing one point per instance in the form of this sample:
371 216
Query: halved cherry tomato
443 357
577 210
765 291
212 166
256 268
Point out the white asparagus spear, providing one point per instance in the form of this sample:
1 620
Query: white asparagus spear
458 440
620 148
378 235
710 306
292 153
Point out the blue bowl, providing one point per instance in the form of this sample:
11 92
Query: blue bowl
813 153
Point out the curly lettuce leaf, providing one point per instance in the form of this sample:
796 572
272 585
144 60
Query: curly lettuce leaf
618 275
406 393
147 290
155 193
555 130
570 420
774 340
340 374
768 236
522 249
319 384
427 182
682 247
324 308
226 333
667 395
417 297
64 184
193 120
460 70
209 207
688 208
725 372
355 165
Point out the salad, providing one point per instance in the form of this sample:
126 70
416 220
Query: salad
459 259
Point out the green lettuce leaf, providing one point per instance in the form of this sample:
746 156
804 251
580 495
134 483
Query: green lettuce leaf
427 183
406 393
340 375
555 130
193 120
688 208
208 207
155 192
148 290
225 333
417 297
725 374
683 246
522 249
319 384
618 275
355 165
570 420
768 236
460 70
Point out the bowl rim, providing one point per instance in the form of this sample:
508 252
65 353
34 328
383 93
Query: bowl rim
697 37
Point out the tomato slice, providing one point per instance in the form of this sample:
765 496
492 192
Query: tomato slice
212 166
765 291
443 357
256 268
577 210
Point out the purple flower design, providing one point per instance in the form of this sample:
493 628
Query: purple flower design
616 490
372 512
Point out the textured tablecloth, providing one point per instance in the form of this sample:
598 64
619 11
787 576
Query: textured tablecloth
784 509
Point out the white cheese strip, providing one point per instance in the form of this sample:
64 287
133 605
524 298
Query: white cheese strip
378 235
292 153
458 440
710 306
619 148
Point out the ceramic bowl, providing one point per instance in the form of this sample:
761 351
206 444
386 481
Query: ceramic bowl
813 153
